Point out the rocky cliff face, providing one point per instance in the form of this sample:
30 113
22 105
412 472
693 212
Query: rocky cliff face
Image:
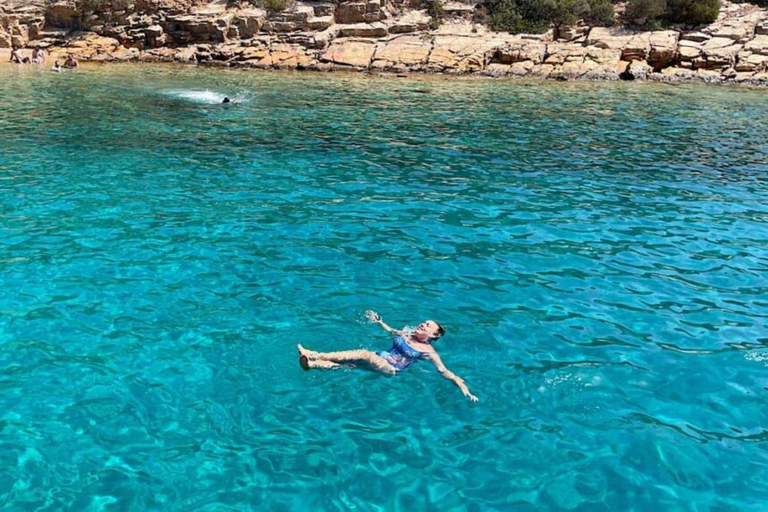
388 36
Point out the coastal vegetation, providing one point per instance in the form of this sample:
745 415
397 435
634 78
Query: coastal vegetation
436 13
656 13
272 5
538 16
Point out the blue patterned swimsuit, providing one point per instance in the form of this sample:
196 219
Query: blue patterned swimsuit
401 355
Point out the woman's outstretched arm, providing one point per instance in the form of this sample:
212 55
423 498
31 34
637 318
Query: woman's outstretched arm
448 374
375 318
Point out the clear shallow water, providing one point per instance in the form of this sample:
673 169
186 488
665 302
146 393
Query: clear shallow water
598 254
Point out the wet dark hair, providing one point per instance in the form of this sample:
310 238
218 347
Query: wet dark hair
440 332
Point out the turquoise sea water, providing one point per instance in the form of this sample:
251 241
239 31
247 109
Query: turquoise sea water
597 253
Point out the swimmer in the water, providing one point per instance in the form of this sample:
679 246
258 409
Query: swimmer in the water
407 348
228 100
71 62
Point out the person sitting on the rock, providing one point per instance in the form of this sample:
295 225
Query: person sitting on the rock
71 62
38 56
17 57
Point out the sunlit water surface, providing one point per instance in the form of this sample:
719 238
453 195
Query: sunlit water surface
597 253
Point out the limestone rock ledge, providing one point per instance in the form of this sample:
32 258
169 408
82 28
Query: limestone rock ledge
382 35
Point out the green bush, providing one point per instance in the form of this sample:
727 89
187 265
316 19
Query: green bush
436 13
692 12
601 13
660 12
647 10
274 5
536 16
516 16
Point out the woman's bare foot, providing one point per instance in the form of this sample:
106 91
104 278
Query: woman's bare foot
307 360
310 354
309 364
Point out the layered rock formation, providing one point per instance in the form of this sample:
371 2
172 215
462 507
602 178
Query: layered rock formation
383 35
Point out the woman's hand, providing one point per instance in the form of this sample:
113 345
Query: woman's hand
376 319
464 389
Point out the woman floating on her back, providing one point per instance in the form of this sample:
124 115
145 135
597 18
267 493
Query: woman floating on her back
407 347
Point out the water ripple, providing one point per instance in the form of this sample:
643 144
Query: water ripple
596 251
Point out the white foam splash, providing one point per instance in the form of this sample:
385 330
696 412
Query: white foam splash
206 96
758 357
551 383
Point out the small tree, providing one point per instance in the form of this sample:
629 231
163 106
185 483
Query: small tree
656 12
601 13
568 12
436 13
692 12
505 16
645 11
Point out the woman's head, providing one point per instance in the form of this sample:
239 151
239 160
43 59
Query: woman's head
428 331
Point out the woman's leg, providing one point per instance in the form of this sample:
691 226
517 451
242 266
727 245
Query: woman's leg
353 358
309 364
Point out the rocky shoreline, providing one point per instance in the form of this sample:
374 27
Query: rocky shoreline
373 35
